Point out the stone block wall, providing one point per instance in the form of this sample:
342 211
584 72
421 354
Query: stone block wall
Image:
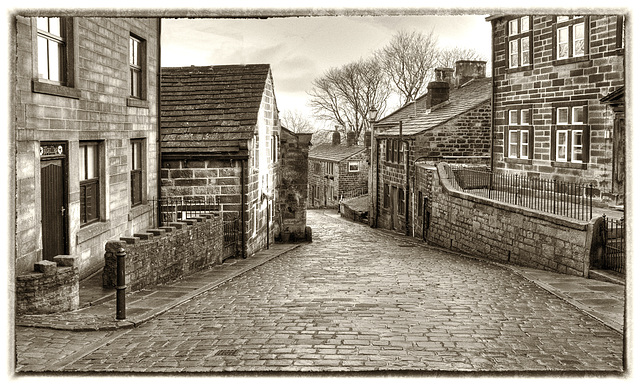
162 255
291 202
352 181
506 233
52 287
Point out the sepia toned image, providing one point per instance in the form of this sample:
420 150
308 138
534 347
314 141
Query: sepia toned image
318 192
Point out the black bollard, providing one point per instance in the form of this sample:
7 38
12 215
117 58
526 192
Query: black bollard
120 285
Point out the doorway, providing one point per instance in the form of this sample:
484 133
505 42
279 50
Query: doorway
53 184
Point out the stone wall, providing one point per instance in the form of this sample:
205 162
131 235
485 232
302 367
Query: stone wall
291 201
166 254
52 287
506 233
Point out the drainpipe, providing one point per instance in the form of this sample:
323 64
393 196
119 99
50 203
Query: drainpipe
158 130
243 172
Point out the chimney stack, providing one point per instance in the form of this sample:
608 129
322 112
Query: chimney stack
335 139
468 70
437 93
351 138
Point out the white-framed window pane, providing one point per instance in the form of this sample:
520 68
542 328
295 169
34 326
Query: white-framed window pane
513 117
513 27
55 26
513 53
577 115
578 39
561 19
563 42
525 51
134 51
524 117
54 61
563 116
524 24
524 144
354 166
43 58
513 144
576 146
42 24
91 161
561 146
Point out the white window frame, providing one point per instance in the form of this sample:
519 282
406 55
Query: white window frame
576 146
513 143
562 146
524 146
354 166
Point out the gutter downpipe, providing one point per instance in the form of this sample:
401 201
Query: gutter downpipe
243 172
158 128
406 185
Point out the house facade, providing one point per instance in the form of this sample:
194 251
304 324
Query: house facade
452 123
220 141
559 99
85 127
337 171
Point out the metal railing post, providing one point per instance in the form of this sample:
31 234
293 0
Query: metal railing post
120 284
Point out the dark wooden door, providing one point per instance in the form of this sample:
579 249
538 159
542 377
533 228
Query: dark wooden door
394 207
53 208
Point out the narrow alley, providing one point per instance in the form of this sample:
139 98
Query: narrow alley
356 299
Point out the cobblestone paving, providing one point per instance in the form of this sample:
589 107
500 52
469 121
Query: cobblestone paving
356 299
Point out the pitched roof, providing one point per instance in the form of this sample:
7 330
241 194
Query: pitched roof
334 153
210 109
460 101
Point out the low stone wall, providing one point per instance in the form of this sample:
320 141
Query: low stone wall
166 254
53 287
507 233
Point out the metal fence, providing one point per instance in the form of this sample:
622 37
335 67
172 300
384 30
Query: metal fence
344 195
566 199
614 245
174 209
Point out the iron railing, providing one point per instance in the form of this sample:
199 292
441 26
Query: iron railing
344 195
174 209
572 200
614 245
231 232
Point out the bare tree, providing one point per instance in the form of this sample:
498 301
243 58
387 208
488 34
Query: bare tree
448 57
409 60
344 95
296 121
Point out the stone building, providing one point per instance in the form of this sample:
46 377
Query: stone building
337 171
451 122
220 139
84 130
559 99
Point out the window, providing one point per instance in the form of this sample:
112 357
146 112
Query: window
571 134
570 37
386 198
52 49
275 141
620 32
328 168
394 151
136 171
400 201
89 182
136 67
519 38
354 166
519 134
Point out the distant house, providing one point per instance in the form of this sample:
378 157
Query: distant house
452 122
85 100
337 171
559 99
220 139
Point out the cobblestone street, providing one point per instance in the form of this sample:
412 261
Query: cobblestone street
356 299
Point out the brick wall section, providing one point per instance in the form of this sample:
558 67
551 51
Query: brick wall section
547 82
504 233
351 181
162 255
51 292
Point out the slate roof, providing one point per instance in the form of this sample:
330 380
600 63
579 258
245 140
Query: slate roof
405 112
210 109
334 153
461 100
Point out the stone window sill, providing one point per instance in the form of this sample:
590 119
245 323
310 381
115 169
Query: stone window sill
93 230
137 103
54 89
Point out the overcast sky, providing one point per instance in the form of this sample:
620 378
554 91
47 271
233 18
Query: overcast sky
300 49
